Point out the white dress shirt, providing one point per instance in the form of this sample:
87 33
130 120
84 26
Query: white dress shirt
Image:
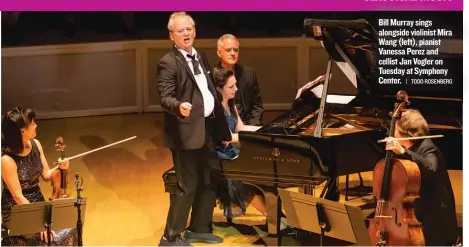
209 101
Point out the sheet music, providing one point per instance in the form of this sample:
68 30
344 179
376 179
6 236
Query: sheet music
310 84
339 99
314 90
318 90
332 98
348 71
251 128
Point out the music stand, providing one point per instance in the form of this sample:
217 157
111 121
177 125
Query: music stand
325 217
48 215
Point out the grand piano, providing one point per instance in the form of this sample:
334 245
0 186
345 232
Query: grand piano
334 124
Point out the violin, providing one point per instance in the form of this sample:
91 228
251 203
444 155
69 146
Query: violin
60 177
396 186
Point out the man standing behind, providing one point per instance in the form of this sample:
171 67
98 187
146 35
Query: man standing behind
194 121
248 97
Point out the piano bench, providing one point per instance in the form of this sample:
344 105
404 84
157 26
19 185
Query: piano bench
170 181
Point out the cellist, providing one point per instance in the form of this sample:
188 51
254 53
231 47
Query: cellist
435 208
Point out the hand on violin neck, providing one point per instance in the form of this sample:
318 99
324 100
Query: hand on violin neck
63 165
394 145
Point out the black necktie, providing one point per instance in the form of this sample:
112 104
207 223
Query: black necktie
195 64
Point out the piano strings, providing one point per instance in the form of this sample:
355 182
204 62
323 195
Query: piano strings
304 119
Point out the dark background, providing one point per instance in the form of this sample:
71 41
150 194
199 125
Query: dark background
47 28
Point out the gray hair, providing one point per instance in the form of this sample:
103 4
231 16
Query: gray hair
178 14
225 36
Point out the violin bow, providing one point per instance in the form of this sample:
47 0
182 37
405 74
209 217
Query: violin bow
94 150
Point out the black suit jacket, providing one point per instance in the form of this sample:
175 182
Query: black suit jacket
177 84
248 98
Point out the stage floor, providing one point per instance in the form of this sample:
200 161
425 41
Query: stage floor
123 184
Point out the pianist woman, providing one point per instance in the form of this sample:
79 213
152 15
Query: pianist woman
23 163
234 196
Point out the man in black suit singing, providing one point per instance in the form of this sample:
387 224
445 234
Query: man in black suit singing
194 122
248 97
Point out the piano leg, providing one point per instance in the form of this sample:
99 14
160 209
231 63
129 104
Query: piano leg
330 191
273 218
272 212
346 186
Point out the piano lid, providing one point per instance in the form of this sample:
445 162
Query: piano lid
353 46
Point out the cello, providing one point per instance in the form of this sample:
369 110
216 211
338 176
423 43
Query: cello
60 177
396 186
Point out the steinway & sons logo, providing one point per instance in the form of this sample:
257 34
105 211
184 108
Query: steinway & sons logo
275 156
275 152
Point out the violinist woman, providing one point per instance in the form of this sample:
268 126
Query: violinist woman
234 192
23 162
435 208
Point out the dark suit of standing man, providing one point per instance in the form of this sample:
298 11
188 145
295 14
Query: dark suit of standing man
248 97
194 121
